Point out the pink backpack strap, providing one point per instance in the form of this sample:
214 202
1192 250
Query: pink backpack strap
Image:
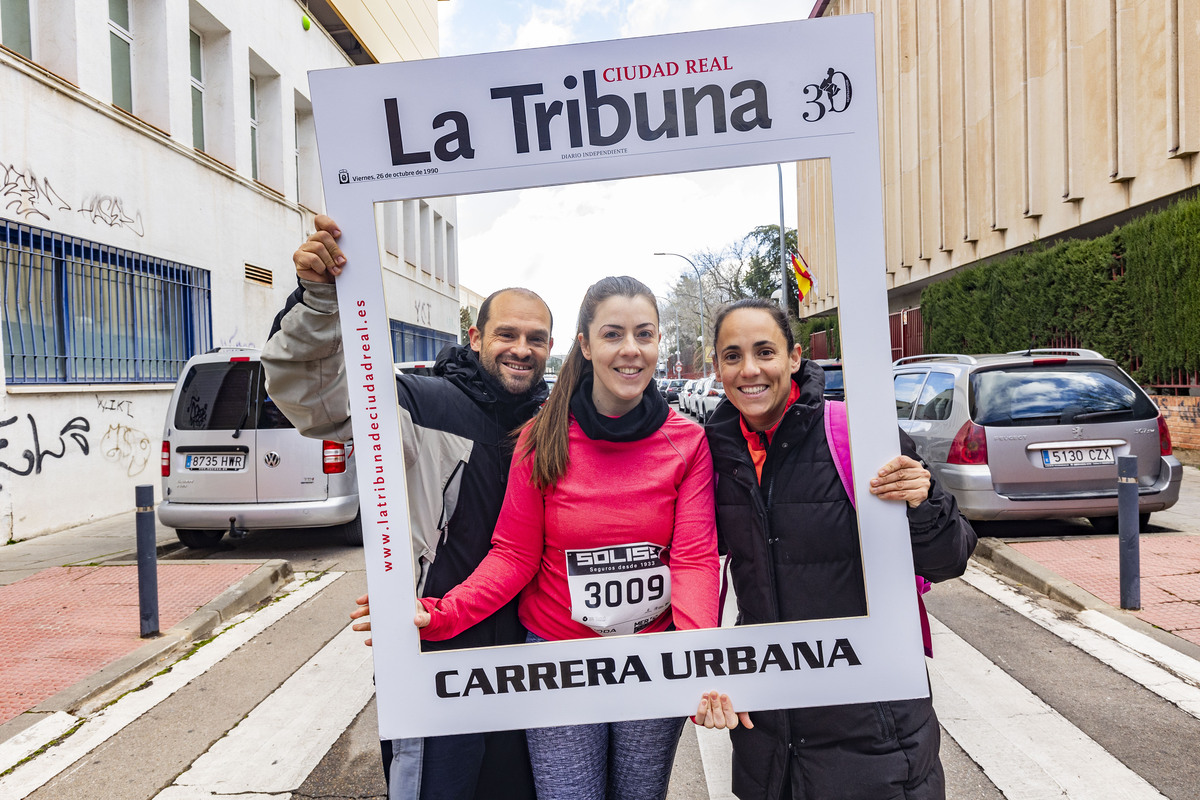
837 434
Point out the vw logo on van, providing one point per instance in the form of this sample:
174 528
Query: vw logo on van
271 459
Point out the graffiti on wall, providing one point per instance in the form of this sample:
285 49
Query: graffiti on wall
126 446
122 443
31 197
235 340
33 459
110 211
109 404
27 196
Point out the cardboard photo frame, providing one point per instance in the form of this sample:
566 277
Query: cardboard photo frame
655 105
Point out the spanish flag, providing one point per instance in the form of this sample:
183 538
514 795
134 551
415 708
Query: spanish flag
805 282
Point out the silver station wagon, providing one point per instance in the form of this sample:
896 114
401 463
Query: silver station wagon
231 461
1036 434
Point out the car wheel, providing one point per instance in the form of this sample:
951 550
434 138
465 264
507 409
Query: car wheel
352 533
199 540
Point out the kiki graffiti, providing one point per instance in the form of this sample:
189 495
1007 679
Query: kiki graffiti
35 457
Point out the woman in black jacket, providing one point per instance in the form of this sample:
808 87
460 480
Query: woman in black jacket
791 533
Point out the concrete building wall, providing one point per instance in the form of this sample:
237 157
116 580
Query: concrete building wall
75 165
1003 122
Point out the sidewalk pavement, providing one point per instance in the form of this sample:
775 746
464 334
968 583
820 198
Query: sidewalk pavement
1082 570
69 618
69 624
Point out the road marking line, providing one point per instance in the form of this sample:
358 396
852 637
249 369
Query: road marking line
33 738
716 756
110 720
1135 655
274 749
1025 747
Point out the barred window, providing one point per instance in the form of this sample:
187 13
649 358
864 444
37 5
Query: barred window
414 343
80 312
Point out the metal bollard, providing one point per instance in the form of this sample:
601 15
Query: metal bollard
147 560
1127 525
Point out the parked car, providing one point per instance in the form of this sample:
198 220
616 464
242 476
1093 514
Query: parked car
693 400
685 394
1035 434
415 367
834 388
714 393
231 461
550 378
673 387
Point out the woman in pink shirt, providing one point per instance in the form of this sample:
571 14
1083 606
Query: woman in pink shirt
607 474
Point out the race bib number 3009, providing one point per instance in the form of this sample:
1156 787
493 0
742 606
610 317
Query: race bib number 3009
619 589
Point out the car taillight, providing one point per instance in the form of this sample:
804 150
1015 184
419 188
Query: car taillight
1164 437
166 459
969 445
333 457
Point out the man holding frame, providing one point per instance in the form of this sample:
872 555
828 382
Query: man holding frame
456 453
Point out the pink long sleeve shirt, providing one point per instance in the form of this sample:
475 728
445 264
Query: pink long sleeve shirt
657 490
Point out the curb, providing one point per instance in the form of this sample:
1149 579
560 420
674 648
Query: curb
1016 566
251 590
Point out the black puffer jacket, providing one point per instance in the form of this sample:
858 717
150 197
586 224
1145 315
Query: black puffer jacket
464 400
813 570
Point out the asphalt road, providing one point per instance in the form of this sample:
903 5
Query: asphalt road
265 720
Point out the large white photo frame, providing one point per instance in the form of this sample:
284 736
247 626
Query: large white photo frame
790 91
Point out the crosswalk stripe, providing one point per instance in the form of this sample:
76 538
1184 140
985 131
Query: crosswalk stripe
1135 655
35 737
716 755
109 721
1025 747
275 748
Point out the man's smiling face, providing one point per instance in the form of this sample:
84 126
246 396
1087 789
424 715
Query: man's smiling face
515 343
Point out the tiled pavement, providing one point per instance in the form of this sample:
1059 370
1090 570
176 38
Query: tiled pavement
70 626
1170 575
65 623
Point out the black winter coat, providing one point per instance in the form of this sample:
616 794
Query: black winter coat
813 570
464 400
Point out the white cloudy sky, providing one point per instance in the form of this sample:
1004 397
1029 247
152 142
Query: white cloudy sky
559 240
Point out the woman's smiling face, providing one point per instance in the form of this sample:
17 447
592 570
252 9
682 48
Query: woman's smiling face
754 363
622 344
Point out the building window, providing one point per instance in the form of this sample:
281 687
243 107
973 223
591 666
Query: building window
296 151
308 177
197 59
253 128
120 48
16 28
77 311
414 343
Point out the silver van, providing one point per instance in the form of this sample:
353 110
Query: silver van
231 461
1035 434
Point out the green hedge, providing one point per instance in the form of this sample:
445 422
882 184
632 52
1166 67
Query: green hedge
806 327
1133 295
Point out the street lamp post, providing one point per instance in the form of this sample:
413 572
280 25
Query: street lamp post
700 285
783 273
